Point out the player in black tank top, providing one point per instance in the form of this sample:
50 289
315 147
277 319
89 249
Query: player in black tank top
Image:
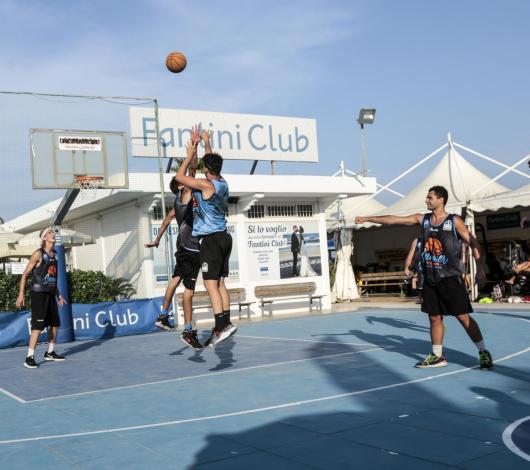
42 268
187 262
444 292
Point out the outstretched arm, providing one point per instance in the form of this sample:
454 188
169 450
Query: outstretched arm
167 220
205 136
414 219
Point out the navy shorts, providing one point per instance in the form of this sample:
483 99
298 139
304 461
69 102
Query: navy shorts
44 311
187 267
215 255
446 297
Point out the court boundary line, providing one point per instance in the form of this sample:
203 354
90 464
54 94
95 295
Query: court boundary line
277 338
12 395
508 442
209 374
254 410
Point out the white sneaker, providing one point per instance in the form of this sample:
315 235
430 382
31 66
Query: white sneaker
231 328
218 337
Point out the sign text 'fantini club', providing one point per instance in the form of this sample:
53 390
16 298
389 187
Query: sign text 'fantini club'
234 136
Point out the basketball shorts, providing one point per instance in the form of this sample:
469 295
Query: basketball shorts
187 267
44 311
215 255
446 297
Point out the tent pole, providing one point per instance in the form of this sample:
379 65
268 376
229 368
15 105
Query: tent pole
524 159
406 172
489 159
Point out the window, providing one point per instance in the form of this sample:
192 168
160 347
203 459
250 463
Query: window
157 210
280 210
256 212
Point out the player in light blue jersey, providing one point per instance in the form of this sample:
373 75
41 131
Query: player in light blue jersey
210 202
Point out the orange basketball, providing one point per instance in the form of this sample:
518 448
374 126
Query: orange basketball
176 62
434 246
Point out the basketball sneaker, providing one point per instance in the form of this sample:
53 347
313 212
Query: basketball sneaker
486 362
219 336
432 360
189 338
231 328
162 321
53 356
30 363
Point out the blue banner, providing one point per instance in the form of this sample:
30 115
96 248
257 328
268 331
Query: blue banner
91 321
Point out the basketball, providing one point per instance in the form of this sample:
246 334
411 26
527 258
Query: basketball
176 62
434 246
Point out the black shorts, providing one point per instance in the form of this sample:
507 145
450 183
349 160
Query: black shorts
187 267
215 254
44 311
447 297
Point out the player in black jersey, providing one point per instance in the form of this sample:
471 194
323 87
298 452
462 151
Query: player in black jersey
187 256
42 267
444 292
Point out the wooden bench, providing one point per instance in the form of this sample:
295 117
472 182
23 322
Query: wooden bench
385 279
201 299
268 294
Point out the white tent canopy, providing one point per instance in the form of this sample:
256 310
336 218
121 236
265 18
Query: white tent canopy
458 176
507 200
342 213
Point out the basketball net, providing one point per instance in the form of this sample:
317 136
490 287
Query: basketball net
88 186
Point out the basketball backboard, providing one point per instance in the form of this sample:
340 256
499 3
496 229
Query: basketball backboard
61 158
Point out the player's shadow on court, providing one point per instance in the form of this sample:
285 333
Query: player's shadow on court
414 348
397 323
225 354
108 333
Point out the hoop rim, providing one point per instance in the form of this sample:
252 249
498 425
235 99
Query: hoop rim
88 178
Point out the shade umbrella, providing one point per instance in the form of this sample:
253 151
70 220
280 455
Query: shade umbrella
69 238
345 287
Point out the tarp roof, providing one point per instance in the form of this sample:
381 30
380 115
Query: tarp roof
458 176
507 200
342 213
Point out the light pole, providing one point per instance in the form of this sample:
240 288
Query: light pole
366 116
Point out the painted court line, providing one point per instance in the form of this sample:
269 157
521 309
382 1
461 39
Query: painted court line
10 395
254 410
507 438
272 338
232 371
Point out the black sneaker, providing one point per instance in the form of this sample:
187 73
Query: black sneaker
162 321
189 338
53 356
30 363
486 362
432 360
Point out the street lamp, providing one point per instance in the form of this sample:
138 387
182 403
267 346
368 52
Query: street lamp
366 116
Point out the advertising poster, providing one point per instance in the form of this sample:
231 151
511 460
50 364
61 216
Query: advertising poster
277 250
159 258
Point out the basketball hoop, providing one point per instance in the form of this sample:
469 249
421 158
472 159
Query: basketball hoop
88 186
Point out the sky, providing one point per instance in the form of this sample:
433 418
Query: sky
429 68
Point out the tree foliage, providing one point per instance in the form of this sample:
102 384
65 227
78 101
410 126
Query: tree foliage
86 287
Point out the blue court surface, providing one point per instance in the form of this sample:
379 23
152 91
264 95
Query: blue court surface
324 391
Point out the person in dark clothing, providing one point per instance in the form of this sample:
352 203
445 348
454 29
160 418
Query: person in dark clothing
42 267
444 292
295 249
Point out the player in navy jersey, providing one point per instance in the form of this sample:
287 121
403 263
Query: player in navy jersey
444 292
42 267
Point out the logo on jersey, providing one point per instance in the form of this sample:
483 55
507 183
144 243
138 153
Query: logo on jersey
204 267
433 255
448 225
